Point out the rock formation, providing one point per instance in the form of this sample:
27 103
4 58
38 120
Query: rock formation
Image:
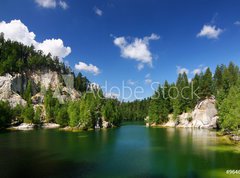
203 116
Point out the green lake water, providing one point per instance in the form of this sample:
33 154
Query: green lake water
131 150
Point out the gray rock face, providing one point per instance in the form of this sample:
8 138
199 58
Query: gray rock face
7 93
203 116
12 86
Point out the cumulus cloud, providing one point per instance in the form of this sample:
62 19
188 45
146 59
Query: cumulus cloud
81 66
17 31
138 49
52 4
211 32
98 11
198 70
55 47
181 70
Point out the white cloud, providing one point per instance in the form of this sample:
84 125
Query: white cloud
81 66
237 23
198 70
55 47
148 81
181 70
63 4
211 32
52 4
137 50
98 11
17 31
47 3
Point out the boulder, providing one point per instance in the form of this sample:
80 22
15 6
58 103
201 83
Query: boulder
50 126
205 114
24 126
106 124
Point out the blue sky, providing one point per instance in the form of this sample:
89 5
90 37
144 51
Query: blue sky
164 36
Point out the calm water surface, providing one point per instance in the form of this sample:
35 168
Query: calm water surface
128 151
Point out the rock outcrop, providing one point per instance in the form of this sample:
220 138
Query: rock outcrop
203 116
8 91
12 86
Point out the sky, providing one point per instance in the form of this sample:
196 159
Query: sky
135 42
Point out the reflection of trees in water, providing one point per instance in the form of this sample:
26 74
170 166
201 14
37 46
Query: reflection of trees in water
186 152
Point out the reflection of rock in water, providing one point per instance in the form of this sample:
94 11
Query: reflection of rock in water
199 139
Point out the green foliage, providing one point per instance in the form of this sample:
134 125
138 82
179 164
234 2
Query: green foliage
51 105
206 84
111 111
28 114
28 92
90 107
37 116
184 96
158 110
81 83
135 110
229 110
6 114
62 117
73 111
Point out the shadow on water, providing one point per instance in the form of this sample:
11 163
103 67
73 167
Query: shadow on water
29 165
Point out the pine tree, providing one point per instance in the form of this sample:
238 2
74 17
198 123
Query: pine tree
206 84
37 116
73 111
6 114
28 92
175 101
218 79
62 117
28 114
195 91
229 110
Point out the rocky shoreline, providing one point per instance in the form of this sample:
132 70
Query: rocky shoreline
30 126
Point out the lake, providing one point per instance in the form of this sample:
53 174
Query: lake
131 150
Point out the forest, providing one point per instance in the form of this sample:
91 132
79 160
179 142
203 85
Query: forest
223 84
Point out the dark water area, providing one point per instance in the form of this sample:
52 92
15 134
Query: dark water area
131 150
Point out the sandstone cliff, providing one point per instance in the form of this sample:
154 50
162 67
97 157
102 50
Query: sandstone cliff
203 116
11 86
